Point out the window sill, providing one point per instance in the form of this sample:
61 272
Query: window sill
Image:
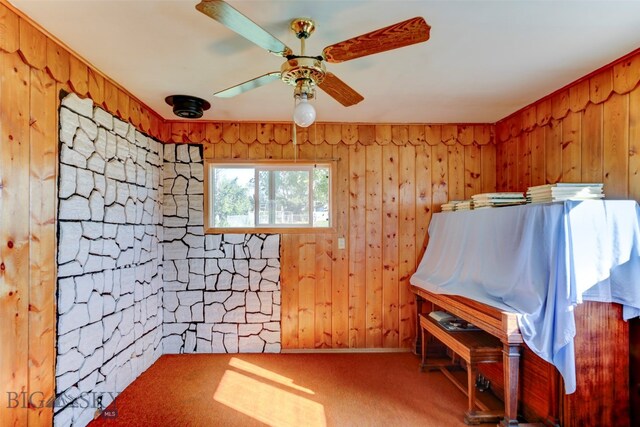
272 230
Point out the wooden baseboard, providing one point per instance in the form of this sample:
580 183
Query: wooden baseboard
343 350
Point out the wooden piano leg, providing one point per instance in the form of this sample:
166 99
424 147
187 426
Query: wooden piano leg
472 373
423 352
511 361
418 342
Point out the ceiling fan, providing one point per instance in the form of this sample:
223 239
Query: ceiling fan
306 72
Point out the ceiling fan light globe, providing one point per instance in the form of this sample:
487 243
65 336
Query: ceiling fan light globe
304 114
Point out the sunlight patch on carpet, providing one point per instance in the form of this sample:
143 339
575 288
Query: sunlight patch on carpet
265 373
268 403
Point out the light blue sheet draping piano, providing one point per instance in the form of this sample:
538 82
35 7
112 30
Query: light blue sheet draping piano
539 261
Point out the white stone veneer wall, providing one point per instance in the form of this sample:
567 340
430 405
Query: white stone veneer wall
221 292
109 258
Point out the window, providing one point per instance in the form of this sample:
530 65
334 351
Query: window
268 195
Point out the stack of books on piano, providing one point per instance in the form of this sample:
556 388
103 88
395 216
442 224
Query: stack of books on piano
449 206
457 205
494 200
564 191
464 205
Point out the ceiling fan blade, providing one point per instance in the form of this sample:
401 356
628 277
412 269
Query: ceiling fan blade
225 14
248 85
339 90
411 31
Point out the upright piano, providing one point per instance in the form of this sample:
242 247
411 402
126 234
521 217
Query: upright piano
520 273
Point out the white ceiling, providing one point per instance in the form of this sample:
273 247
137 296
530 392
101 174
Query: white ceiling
485 59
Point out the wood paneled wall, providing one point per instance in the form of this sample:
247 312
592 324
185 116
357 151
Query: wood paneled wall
588 131
33 70
390 178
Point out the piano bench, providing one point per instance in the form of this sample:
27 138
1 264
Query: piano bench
473 347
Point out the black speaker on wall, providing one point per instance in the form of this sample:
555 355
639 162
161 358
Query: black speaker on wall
187 106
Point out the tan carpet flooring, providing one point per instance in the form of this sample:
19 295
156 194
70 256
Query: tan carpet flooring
373 389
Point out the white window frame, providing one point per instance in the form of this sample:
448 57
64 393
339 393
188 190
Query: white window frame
274 165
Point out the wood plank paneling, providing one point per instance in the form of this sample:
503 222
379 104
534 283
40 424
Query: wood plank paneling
501 164
306 290
239 151
222 151
511 157
340 264
281 133
14 233
423 202
289 289
592 144
626 74
616 147
264 133
406 242
33 45
472 170
134 114
488 159
601 85
123 106
306 150
9 30
571 148
273 151
634 144
439 177
111 98
257 151
57 61
523 162
96 87
289 151
43 159
248 133
390 265
373 251
456 171
357 247
78 76
322 287
579 96
350 133
538 173
553 152
180 132
323 275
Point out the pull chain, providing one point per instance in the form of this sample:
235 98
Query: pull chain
294 134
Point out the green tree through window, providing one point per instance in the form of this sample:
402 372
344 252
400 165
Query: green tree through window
232 200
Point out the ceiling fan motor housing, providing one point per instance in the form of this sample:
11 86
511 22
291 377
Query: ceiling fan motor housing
303 68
